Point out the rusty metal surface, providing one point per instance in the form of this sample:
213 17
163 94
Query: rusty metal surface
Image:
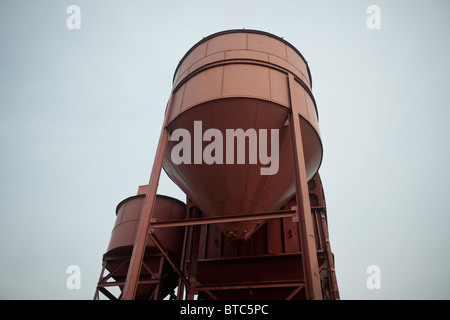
156 278
243 235
238 79
243 44
128 216
269 265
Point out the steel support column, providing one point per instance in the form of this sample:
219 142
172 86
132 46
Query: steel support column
307 238
134 270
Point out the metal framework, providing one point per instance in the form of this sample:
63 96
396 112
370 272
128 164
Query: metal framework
151 284
307 259
298 265
289 286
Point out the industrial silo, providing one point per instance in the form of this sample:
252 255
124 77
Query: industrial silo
241 139
157 278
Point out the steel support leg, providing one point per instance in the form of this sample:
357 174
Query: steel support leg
307 238
134 269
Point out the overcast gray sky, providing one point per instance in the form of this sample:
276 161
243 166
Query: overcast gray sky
81 111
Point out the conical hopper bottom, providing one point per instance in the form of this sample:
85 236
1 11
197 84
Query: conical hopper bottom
229 189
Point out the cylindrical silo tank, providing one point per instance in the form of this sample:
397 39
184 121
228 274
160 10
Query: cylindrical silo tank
120 248
128 214
231 80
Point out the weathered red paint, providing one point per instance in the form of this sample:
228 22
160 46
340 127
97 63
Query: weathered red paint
246 235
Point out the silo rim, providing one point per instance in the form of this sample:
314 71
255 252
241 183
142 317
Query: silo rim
143 196
242 31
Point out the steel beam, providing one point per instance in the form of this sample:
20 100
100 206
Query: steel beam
250 286
166 255
310 265
134 269
223 219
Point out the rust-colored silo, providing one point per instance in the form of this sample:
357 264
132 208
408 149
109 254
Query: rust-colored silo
157 279
239 80
241 139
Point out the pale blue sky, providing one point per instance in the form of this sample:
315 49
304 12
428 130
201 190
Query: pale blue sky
81 111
